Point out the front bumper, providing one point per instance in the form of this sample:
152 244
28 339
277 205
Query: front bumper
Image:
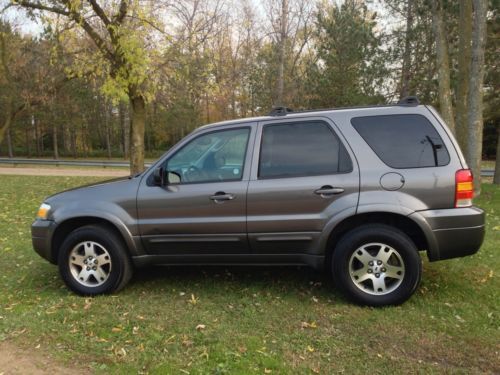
453 233
41 237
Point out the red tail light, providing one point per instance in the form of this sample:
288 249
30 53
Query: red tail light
464 188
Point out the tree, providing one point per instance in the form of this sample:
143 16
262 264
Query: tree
443 63
464 58
475 97
117 31
349 67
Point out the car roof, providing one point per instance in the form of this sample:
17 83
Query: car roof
298 114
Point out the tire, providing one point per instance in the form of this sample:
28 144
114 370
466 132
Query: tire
376 265
92 260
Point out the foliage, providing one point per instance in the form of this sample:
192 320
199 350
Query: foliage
245 320
349 68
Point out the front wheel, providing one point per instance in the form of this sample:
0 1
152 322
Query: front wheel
376 265
92 260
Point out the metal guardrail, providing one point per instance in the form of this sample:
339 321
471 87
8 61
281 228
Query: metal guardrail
107 163
74 163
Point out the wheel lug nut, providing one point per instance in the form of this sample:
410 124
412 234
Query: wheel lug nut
370 263
88 268
379 262
383 269
370 270
377 275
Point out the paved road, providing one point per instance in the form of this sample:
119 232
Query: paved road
63 172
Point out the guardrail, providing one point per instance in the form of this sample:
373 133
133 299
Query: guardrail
108 163
74 163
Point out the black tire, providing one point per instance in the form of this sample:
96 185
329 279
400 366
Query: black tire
368 240
119 268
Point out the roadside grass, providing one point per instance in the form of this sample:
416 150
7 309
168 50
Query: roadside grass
250 320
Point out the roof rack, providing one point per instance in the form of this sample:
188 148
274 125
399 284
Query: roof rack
411 101
408 101
280 111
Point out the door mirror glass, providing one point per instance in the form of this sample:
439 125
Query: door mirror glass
173 178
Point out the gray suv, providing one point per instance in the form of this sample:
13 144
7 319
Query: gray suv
358 191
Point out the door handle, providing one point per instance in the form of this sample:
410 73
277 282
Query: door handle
328 190
220 196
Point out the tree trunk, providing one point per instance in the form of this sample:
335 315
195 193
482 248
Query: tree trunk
54 140
282 47
137 127
124 131
464 59
9 144
406 68
37 137
496 178
27 141
443 64
107 129
475 97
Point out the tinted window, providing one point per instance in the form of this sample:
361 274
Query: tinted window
403 141
216 156
301 149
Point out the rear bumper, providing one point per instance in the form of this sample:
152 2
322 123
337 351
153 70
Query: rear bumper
453 233
41 236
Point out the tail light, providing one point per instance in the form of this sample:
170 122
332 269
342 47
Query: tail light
464 188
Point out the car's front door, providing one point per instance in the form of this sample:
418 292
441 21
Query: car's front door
302 177
204 211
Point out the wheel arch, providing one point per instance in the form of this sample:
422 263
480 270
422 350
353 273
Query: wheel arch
410 227
67 226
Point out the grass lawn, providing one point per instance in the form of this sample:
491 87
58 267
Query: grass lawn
255 320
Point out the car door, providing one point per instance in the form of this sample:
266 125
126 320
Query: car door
204 211
302 176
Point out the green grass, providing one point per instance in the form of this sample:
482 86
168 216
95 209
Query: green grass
257 320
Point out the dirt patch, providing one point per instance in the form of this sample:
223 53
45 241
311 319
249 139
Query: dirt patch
14 360
63 172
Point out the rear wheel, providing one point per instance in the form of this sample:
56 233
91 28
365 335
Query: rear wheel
376 265
92 260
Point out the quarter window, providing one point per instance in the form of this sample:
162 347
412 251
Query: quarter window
403 141
301 149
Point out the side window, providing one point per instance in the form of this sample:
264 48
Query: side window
211 157
301 149
403 141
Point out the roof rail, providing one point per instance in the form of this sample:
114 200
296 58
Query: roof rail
280 111
411 101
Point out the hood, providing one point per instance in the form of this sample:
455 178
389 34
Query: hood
95 189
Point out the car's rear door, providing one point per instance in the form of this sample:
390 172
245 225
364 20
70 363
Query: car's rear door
302 175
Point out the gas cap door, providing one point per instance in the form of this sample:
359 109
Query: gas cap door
392 181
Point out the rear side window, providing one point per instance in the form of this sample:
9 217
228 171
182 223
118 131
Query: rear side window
301 149
403 141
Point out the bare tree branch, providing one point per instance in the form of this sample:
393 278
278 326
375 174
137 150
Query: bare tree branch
39 6
100 12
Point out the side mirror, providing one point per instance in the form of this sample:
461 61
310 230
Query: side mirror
159 176
173 178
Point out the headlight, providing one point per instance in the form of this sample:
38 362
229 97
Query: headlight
43 211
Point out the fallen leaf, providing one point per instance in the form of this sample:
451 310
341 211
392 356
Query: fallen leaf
193 300
116 329
199 327
267 371
308 325
310 349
